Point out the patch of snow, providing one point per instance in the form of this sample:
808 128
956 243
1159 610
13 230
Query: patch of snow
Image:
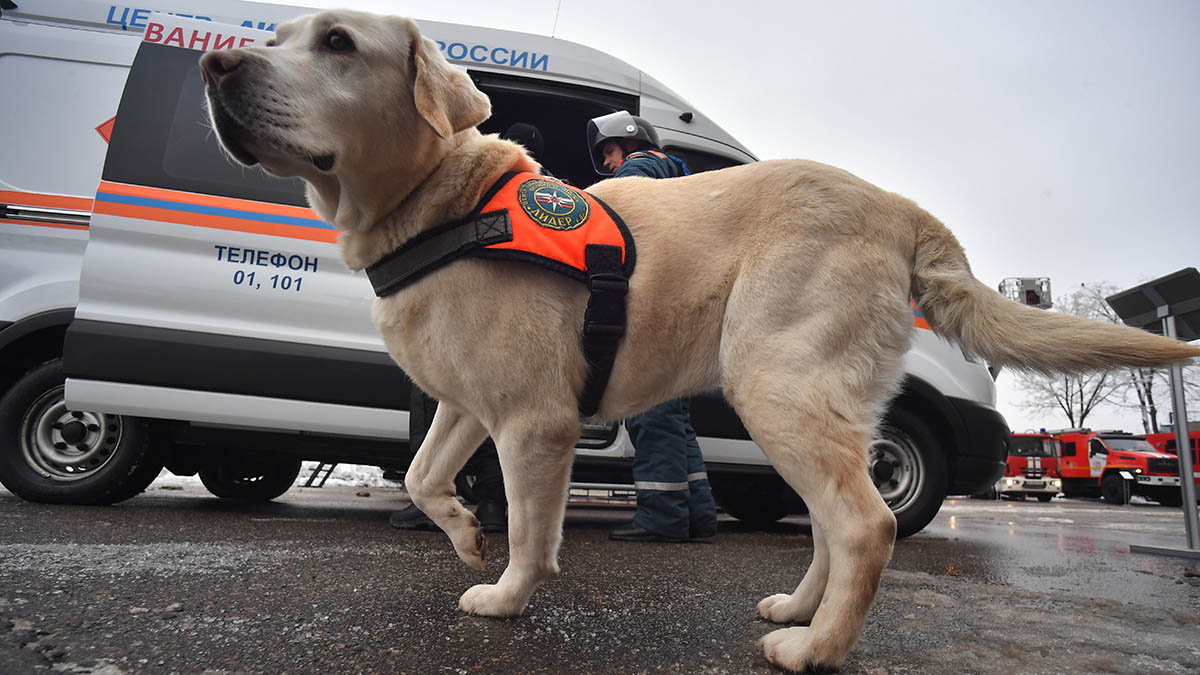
355 475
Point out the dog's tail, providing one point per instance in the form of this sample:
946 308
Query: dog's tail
1006 333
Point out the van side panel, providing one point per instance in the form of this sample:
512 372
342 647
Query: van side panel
60 85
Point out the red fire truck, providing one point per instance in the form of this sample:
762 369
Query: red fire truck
1165 442
1032 468
1116 465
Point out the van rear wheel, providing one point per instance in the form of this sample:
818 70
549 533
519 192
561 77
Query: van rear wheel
758 503
51 454
250 480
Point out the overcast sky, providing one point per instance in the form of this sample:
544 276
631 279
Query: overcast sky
1055 138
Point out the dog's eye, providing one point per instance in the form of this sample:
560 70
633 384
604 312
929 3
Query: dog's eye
338 41
270 43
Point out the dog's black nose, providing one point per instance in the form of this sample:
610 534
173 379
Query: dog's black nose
217 65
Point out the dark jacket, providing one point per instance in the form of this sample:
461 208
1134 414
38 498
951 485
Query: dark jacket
651 163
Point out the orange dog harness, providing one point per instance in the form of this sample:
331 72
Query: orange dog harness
538 220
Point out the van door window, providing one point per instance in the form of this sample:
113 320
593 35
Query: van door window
163 138
1095 447
560 111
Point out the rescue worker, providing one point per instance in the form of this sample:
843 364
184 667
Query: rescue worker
674 500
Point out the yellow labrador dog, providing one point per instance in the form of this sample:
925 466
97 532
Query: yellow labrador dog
796 307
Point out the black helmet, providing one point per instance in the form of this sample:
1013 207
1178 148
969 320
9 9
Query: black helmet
616 125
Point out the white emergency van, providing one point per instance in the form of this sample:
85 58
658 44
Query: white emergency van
214 327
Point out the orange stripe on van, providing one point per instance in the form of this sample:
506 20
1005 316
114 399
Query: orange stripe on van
45 201
217 222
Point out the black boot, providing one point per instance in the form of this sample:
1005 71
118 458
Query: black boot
412 518
488 488
631 531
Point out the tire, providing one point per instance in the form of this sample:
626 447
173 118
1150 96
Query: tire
1044 498
250 480
750 501
758 503
1112 489
52 455
908 467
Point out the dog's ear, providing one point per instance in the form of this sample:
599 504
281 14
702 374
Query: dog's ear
445 96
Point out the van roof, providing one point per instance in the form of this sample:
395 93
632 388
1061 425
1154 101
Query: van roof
474 47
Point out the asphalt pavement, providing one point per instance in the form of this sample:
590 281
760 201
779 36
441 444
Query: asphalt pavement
177 581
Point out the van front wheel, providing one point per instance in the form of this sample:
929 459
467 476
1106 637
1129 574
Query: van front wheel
51 454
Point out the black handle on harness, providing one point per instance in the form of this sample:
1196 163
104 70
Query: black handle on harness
603 321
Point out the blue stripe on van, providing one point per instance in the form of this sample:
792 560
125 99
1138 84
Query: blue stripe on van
211 210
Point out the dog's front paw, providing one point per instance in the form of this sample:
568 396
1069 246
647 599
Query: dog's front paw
797 650
490 600
469 542
784 608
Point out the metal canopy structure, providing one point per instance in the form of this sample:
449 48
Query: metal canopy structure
1146 306
1170 306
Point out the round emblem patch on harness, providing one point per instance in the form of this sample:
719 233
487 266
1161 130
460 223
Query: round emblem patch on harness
552 204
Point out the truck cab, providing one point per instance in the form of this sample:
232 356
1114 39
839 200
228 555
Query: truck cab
1032 468
1167 443
1115 465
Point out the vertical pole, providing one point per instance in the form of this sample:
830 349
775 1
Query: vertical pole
1187 480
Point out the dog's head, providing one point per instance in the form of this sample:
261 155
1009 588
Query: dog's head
340 94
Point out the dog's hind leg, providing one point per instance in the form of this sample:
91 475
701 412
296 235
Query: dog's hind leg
801 605
452 437
536 452
814 429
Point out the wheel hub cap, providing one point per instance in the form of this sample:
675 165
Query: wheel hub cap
882 471
67 445
896 468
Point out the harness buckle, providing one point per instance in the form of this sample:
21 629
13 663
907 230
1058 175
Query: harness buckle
608 282
597 329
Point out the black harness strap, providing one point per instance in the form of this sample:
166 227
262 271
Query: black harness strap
434 248
603 321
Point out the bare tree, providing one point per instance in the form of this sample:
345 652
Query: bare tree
1146 386
1076 396
1141 383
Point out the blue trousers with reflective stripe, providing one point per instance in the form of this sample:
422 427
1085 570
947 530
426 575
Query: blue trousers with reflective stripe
666 454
